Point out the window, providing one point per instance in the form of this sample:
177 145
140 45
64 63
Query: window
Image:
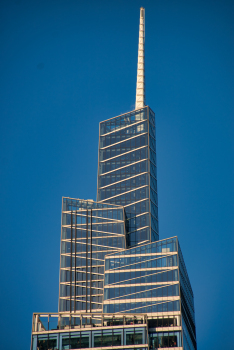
134 336
165 340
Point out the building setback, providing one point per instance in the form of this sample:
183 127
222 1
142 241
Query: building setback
120 286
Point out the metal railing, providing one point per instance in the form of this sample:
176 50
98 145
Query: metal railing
44 322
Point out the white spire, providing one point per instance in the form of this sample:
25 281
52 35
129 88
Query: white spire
140 87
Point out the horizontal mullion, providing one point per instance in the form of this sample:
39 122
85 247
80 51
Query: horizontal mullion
128 267
128 178
122 154
124 127
138 215
130 138
141 200
124 193
125 166
166 299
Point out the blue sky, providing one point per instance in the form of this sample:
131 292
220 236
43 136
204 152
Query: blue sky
66 66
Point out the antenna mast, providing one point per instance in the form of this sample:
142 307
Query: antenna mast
140 87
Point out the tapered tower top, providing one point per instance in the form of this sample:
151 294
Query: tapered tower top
140 87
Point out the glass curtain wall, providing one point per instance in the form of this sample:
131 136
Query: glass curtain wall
102 339
90 230
143 279
127 171
187 305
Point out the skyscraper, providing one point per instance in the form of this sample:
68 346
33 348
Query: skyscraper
127 173
115 274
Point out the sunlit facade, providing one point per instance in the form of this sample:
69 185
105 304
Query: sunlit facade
115 275
152 279
90 230
143 279
120 286
127 172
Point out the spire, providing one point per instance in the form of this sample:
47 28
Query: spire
140 87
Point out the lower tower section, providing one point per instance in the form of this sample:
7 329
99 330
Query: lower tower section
148 304
90 230
153 279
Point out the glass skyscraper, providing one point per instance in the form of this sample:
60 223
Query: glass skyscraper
120 286
127 173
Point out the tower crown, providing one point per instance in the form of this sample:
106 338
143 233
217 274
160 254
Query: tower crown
140 86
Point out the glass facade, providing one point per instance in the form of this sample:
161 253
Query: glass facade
120 287
102 338
90 230
153 279
113 331
187 306
165 340
143 279
127 173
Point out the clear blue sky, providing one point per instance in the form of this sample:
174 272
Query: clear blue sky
66 66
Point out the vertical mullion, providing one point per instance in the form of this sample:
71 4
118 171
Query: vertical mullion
97 198
90 260
75 263
58 338
149 172
48 332
87 220
71 263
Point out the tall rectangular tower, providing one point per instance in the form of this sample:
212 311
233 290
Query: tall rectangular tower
127 173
